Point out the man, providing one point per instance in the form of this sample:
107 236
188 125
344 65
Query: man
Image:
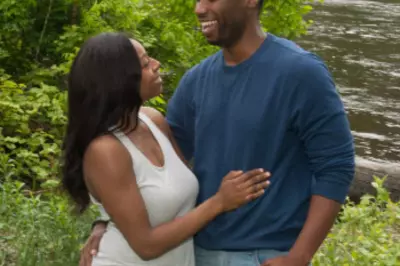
262 101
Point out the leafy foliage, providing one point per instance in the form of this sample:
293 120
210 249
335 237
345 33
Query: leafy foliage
367 234
31 125
39 38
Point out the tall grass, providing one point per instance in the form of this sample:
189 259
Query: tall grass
39 230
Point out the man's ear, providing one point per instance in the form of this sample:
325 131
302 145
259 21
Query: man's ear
252 3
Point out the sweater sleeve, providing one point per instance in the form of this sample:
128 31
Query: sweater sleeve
320 120
180 116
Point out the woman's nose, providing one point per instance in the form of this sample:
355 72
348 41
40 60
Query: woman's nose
156 65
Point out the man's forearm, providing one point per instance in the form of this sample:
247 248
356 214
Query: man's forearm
321 217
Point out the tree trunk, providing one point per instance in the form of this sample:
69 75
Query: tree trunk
74 13
363 178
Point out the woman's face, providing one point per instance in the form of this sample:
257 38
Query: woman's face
151 83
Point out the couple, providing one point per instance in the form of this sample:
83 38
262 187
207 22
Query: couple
260 105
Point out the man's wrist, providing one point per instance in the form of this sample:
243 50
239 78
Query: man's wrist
99 221
302 258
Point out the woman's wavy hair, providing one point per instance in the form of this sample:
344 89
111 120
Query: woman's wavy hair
103 92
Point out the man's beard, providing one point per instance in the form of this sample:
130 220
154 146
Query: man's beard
233 34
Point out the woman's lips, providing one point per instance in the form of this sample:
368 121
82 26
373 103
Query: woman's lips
158 80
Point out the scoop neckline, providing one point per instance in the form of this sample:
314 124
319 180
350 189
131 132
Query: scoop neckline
147 121
143 118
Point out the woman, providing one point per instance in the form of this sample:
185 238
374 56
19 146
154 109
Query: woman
123 157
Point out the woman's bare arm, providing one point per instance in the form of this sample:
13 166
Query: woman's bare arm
109 174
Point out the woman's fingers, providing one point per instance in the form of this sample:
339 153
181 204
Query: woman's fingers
233 174
257 187
253 196
250 181
255 174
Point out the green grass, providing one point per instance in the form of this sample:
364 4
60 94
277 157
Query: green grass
40 230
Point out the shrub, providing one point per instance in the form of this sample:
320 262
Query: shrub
366 234
31 128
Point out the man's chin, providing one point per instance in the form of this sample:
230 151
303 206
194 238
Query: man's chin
213 42
212 39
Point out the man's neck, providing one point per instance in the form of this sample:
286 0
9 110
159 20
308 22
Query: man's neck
245 47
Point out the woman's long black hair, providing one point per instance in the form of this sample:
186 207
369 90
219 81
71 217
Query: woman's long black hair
103 92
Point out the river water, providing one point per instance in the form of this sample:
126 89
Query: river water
360 42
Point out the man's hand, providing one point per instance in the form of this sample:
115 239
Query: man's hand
284 261
92 244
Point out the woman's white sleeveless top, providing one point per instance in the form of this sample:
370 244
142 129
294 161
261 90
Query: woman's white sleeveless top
168 192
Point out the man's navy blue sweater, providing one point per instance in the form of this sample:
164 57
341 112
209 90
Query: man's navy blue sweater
278 110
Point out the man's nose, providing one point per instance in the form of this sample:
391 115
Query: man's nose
200 8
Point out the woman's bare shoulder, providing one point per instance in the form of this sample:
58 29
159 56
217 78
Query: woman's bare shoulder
157 117
106 150
106 144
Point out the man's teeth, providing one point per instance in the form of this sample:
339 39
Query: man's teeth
208 24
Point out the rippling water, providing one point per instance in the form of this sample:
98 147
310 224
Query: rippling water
360 41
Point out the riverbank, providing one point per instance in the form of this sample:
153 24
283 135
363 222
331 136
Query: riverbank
40 230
